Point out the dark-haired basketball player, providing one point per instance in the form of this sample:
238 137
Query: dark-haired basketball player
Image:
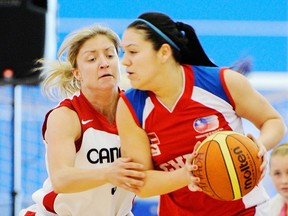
179 97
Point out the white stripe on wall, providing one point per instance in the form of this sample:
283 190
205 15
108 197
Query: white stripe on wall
203 27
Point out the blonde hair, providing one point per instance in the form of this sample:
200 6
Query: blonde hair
281 150
58 81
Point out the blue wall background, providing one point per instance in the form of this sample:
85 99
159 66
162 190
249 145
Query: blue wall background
228 30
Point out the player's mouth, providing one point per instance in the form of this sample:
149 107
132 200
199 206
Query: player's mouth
284 190
129 73
105 75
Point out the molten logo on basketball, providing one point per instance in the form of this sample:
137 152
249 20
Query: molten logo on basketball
228 165
244 167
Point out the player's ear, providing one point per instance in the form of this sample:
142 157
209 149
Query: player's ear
165 52
76 73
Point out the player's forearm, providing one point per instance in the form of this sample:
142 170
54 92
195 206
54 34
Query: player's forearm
77 180
160 182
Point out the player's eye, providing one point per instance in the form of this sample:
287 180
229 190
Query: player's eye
110 56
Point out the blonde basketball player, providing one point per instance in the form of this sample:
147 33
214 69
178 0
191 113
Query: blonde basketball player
86 175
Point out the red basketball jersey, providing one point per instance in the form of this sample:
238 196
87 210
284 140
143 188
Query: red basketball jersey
204 107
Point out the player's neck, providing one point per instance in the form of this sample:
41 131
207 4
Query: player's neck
107 106
172 88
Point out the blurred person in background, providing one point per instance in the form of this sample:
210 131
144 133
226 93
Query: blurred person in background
279 176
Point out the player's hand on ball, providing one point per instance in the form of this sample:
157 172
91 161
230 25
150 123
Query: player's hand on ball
193 186
261 154
126 174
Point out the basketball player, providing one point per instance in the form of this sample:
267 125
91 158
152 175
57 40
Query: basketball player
178 98
86 175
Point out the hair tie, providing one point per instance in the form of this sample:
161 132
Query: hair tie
181 28
164 36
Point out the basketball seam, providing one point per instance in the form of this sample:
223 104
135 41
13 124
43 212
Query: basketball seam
231 168
206 172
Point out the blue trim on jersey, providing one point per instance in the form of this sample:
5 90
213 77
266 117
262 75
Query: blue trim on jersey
137 99
209 79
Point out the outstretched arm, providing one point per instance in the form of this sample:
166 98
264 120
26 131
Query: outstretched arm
63 128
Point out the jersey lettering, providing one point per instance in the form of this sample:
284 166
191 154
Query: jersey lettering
113 190
154 142
174 164
155 150
104 155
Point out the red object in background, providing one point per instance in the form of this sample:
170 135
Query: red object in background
8 73
22 40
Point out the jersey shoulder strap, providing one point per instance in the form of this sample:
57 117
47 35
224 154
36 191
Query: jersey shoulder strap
135 100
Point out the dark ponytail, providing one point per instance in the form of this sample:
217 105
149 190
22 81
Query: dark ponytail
183 35
192 51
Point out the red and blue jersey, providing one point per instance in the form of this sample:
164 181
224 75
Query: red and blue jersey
204 107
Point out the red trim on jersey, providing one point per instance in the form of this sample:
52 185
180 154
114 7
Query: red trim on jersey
130 107
283 210
44 125
29 213
222 70
48 201
247 212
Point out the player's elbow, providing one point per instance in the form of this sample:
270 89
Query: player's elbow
282 125
58 184
144 193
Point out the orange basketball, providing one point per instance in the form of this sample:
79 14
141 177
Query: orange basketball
228 165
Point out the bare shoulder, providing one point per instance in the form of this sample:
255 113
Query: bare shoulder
64 120
238 84
63 113
233 77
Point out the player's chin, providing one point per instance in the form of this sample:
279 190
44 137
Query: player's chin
110 83
137 85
